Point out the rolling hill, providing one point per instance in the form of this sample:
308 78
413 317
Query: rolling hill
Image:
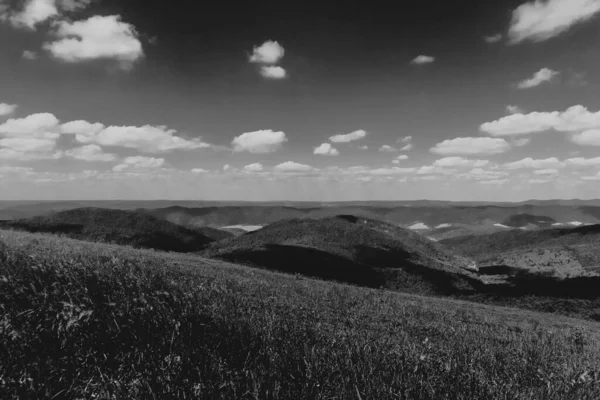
351 249
119 227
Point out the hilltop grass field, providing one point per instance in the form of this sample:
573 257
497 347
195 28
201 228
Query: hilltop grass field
96 321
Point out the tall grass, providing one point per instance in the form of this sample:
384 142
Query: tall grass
84 320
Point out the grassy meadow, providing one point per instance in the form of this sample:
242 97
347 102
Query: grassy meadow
95 321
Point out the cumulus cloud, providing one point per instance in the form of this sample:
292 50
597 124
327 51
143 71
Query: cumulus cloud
423 59
149 139
471 145
520 142
387 149
259 142
198 171
583 162
513 109
587 138
139 162
407 147
548 171
30 55
28 144
530 163
541 76
34 12
256 167
7 109
98 37
493 38
405 139
270 52
90 153
291 166
459 162
326 149
41 125
273 72
575 118
538 20
348 137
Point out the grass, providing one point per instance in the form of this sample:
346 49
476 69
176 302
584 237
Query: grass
86 320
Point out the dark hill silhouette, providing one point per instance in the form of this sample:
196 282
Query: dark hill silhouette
118 227
351 249
522 220
482 247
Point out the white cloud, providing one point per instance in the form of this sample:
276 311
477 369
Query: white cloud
405 139
29 55
33 13
392 171
363 147
543 75
493 181
90 153
587 138
401 157
484 174
520 142
273 72
326 149
42 125
149 139
98 37
7 109
139 162
348 137
270 52
387 149
74 5
575 118
407 147
291 166
259 142
28 144
459 162
531 163
423 59
226 167
538 20
256 167
198 171
548 171
514 109
471 145
493 38
583 162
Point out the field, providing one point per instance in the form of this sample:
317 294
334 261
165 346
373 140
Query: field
109 322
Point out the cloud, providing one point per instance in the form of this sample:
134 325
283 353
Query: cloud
548 171
493 38
530 163
139 162
583 162
543 75
273 72
259 142
198 171
34 12
256 167
90 153
28 144
291 166
422 59
348 137
387 149
538 20
471 145
407 147
401 157
29 55
148 139
459 162
520 142
41 125
270 52
363 147
405 139
480 174
226 167
587 138
514 109
575 118
98 37
7 109
326 149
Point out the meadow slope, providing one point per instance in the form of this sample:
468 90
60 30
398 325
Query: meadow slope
87 320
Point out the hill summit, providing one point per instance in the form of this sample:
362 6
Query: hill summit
115 226
352 249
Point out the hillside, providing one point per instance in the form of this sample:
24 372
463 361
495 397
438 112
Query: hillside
88 320
119 227
351 249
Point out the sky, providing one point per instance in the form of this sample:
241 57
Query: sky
443 100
